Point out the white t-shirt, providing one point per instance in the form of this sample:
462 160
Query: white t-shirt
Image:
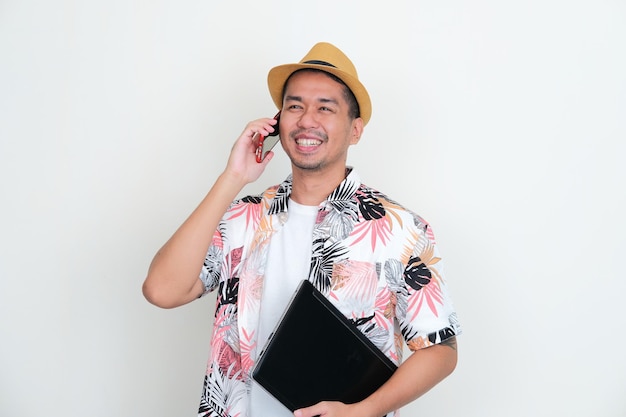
288 263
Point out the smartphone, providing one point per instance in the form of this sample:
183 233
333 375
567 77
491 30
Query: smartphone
266 143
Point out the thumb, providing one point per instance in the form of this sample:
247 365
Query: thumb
313 411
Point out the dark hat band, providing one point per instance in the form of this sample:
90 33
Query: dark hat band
316 62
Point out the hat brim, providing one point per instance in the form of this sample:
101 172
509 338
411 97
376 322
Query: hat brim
277 77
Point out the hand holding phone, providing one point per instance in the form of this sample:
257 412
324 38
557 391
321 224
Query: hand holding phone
266 143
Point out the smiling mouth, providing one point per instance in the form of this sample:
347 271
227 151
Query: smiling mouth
308 142
308 138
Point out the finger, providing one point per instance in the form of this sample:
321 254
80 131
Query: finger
265 126
312 411
267 159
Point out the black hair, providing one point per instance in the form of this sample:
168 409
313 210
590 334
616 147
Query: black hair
353 105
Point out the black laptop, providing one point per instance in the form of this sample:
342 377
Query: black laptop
316 354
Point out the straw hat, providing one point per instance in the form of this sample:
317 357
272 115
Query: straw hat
326 57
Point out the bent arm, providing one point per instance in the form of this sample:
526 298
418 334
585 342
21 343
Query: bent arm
421 371
173 276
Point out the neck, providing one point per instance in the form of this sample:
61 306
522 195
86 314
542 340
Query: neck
311 188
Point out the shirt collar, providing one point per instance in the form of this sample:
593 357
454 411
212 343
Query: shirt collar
344 191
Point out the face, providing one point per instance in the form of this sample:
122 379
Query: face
316 129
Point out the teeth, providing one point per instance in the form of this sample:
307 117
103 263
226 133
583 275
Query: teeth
308 142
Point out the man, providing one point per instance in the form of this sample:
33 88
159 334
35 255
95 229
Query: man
375 260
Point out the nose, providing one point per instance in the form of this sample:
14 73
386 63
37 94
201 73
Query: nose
308 119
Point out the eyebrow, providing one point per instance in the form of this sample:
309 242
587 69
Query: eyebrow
320 100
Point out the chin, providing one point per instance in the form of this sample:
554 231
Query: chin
308 166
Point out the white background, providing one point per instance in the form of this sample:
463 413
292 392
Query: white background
500 122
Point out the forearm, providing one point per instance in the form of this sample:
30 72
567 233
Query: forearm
172 278
419 373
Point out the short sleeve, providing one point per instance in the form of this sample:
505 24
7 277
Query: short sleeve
424 309
210 273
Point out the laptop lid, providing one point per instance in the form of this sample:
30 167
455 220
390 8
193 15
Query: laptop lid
316 354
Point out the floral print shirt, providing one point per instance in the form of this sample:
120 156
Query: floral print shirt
375 260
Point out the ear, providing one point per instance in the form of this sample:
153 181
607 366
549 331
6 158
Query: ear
357 131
